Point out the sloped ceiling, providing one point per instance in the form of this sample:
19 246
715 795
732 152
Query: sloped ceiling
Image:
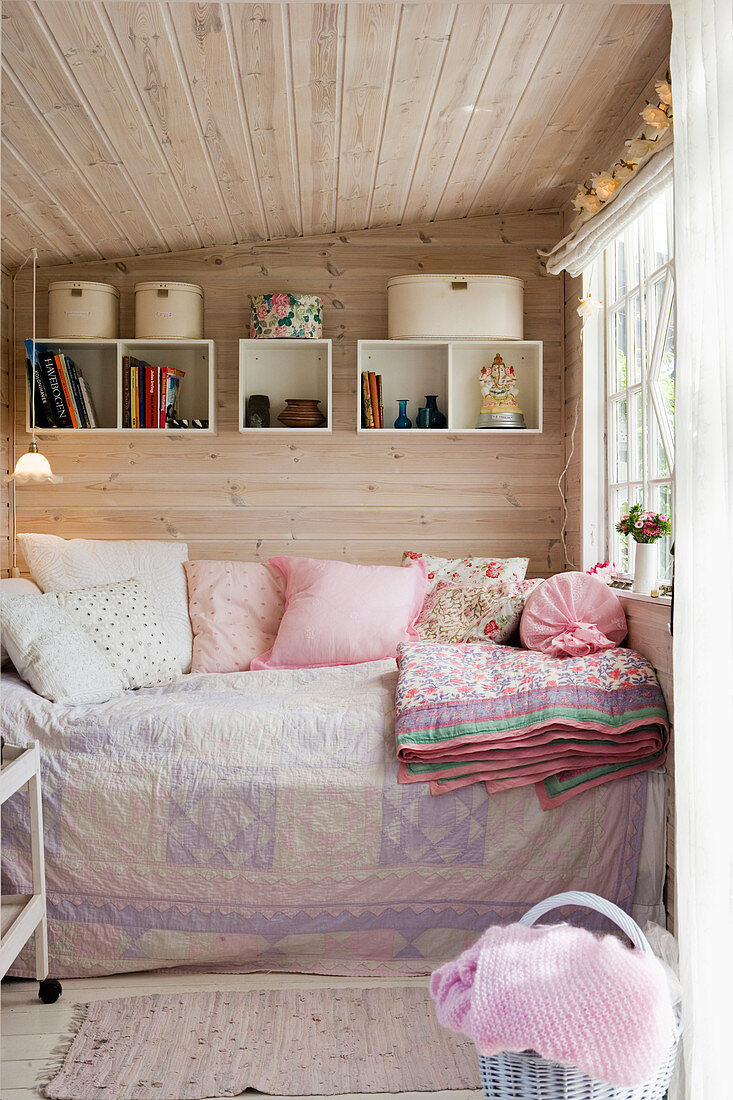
135 128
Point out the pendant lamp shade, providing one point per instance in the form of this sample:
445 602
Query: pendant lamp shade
32 467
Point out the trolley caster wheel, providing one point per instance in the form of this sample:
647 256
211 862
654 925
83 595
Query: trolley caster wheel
49 990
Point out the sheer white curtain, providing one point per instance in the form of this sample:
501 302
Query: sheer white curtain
702 83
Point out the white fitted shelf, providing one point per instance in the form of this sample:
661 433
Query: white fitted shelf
414 368
285 369
100 362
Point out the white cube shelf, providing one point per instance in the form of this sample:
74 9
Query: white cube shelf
413 369
281 370
100 364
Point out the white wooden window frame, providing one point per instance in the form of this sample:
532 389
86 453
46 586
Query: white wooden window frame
600 539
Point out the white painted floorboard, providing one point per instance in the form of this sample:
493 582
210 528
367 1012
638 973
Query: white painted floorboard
31 1030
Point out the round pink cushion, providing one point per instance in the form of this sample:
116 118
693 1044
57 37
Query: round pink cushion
572 615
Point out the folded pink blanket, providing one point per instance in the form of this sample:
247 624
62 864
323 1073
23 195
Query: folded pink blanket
571 996
512 717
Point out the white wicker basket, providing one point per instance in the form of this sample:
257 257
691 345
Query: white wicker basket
526 1076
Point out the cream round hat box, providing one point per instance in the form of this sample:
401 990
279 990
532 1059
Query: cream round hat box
169 311
455 307
83 311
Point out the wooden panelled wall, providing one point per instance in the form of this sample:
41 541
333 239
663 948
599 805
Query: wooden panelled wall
365 499
5 298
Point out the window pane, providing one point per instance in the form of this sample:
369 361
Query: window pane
637 430
620 547
633 259
621 499
657 453
619 268
634 345
654 300
620 441
618 353
660 234
663 504
666 372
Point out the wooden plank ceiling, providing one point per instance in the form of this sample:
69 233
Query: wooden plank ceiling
139 128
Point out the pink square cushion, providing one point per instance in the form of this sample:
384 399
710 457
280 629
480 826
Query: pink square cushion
342 614
235 609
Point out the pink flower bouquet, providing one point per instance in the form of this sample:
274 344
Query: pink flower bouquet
644 526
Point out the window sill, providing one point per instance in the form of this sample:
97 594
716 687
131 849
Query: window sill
627 594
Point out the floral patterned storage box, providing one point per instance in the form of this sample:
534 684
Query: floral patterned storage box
278 316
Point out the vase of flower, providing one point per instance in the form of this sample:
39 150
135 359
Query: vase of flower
435 417
403 420
645 528
645 568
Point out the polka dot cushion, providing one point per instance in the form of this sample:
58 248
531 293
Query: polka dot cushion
123 623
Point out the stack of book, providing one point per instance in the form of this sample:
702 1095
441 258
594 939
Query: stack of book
62 398
372 408
149 394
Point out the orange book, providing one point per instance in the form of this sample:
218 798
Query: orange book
66 387
374 397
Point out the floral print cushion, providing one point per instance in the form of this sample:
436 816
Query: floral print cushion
459 613
469 570
276 316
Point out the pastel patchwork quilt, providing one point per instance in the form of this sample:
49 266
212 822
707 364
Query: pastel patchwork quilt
515 717
254 821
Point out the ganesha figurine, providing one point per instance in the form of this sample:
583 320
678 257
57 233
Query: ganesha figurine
499 390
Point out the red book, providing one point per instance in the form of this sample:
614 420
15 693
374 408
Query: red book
162 389
66 387
375 398
151 405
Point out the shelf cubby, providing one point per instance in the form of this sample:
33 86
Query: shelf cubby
466 360
414 368
409 369
100 363
285 369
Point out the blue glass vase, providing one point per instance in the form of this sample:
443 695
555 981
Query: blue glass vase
435 416
403 420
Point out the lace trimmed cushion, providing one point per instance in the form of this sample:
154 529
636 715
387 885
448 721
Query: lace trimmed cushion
53 654
63 565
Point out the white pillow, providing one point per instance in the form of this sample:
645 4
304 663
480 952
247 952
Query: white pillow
61 565
53 654
123 623
15 586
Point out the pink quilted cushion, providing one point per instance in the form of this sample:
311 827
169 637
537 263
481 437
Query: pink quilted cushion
235 609
342 614
572 615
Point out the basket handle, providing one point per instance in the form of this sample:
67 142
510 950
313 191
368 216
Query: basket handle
590 901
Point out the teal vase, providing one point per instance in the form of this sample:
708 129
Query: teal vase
403 420
435 416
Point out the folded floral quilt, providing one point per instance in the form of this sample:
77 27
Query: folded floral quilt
514 717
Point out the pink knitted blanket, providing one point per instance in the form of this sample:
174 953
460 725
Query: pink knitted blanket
571 996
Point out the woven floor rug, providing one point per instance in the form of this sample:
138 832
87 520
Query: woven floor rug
312 1042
